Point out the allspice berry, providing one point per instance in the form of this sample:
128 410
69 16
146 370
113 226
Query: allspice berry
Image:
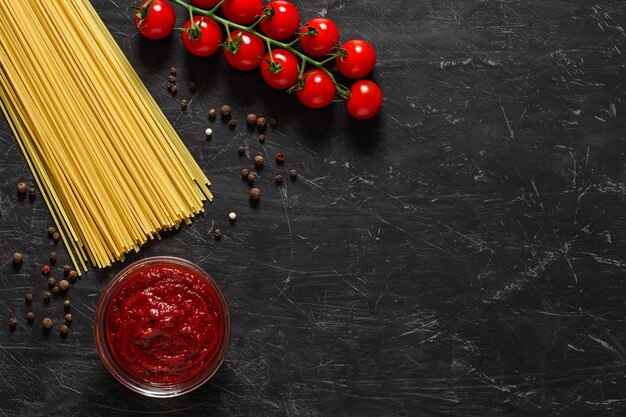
30 316
51 230
64 329
212 113
22 187
51 281
173 90
280 158
225 110
262 138
64 284
255 194
245 172
251 119
259 160
46 323
56 289
67 304
17 258
261 123
68 317
72 276
250 178
47 295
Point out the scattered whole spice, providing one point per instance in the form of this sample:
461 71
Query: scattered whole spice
232 216
56 289
64 329
218 234
46 323
262 138
171 79
174 90
232 123
193 86
255 194
273 121
208 132
28 297
22 187
47 295
251 119
260 123
242 151
169 86
72 276
293 174
64 284
52 282
12 322
67 304
53 256
280 158
32 192
279 179
225 110
17 258
67 269
250 178
56 236
173 70
30 316
51 230
68 317
259 160
212 113
245 172
46 269
183 104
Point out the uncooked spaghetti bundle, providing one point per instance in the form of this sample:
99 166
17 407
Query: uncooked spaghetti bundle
109 165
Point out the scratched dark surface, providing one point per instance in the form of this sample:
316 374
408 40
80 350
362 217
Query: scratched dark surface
461 255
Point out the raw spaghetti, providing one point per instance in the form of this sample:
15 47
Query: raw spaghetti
109 165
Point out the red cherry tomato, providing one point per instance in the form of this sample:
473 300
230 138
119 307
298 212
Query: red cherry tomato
249 54
284 23
288 74
365 101
204 40
360 60
243 11
324 42
205 4
157 21
318 91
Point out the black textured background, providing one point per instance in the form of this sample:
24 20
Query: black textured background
460 255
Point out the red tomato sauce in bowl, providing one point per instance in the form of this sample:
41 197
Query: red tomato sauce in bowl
162 327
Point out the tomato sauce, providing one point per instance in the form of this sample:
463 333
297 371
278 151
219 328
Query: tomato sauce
164 324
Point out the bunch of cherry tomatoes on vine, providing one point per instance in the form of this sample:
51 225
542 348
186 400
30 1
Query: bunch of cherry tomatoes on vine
266 36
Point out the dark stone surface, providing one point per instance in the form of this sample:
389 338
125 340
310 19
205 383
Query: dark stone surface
463 254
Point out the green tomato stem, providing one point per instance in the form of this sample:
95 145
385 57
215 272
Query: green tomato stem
250 29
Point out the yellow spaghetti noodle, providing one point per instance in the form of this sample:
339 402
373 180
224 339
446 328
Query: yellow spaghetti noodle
110 167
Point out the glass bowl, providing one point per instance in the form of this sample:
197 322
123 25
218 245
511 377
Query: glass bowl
161 330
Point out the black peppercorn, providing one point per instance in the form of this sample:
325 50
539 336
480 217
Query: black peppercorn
67 269
255 194
232 123
64 329
28 297
52 281
242 151
218 234
250 178
53 256
47 295
68 317
51 230
67 304
245 172
17 258
72 276
174 90
56 236
32 192
173 70
251 119
193 86
56 289
12 322
183 104
171 79
279 179
262 138
273 121
46 323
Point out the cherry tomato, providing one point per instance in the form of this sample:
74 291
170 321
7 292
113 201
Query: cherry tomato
360 60
324 42
242 11
365 101
318 91
249 54
284 23
205 4
204 40
288 74
157 21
